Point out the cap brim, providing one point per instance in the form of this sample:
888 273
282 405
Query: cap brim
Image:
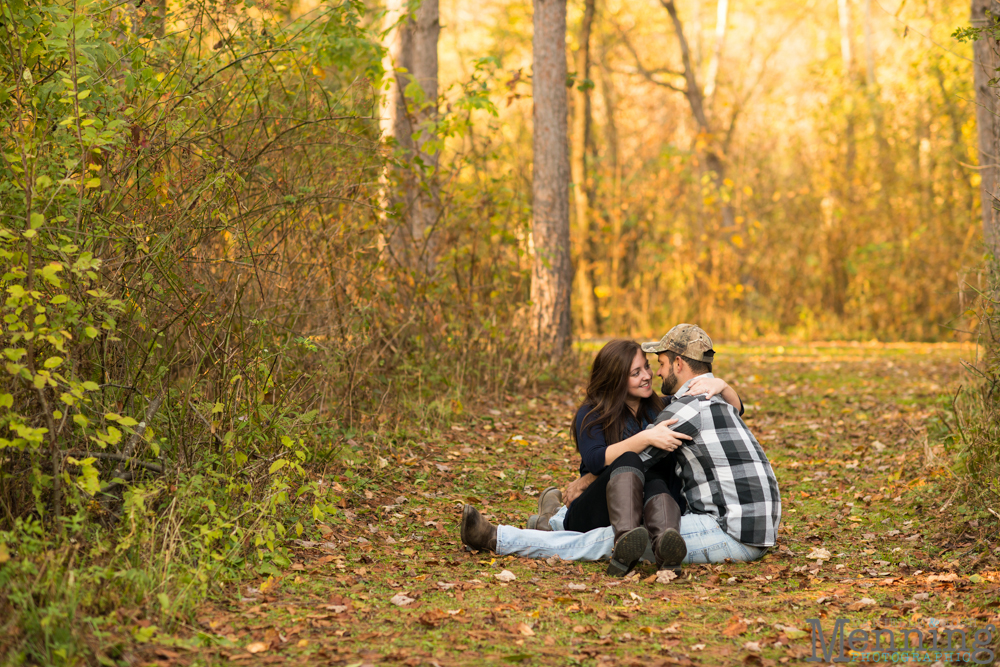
653 347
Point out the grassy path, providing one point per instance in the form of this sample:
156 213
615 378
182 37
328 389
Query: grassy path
855 436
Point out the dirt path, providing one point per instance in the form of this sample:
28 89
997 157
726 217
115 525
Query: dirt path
851 432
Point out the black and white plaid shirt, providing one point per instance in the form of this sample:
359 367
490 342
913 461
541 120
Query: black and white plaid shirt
723 468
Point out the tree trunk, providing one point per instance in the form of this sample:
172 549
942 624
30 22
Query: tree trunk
988 124
613 171
590 323
411 56
696 100
846 46
721 21
552 270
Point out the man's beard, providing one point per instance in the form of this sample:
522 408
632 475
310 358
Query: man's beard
669 383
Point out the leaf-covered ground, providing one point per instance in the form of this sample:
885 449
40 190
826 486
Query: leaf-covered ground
871 533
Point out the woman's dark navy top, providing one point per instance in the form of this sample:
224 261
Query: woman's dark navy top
590 437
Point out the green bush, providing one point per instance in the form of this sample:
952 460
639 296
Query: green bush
978 407
152 443
198 315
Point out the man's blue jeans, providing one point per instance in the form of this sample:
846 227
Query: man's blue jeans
706 542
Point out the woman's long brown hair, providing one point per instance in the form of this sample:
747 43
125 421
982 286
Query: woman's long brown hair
608 389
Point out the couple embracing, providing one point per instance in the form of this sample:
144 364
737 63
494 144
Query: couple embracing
679 477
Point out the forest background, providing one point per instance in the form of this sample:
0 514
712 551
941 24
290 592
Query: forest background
225 270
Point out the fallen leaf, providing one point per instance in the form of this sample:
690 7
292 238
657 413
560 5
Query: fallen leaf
753 647
736 627
819 553
698 647
401 600
577 587
948 576
257 647
860 604
267 585
433 618
665 576
505 576
525 630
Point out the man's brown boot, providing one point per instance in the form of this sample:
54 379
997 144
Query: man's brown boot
549 502
662 517
624 496
477 532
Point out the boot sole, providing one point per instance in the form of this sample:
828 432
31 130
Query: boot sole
628 550
671 548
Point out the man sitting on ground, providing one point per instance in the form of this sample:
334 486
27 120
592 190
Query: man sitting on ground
733 502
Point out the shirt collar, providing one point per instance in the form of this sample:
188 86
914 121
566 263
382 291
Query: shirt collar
684 387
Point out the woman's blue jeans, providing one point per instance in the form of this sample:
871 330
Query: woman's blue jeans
706 542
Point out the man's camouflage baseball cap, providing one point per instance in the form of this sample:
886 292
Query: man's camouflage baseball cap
687 340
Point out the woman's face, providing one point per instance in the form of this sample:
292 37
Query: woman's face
640 378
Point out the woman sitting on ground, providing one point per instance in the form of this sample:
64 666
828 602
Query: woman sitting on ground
642 508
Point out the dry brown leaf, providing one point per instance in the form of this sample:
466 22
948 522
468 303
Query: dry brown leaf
256 647
819 553
665 576
433 618
735 627
525 630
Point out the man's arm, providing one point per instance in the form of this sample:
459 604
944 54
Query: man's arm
575 488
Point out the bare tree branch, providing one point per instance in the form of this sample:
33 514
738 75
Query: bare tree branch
695 97
646 72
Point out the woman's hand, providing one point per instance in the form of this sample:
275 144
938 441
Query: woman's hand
661 437
708 386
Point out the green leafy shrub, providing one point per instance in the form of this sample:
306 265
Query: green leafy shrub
978 406
198 314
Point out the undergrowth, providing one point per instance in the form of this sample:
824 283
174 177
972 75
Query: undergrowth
978 406
198 314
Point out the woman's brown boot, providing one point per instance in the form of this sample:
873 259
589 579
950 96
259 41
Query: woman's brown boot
624 496
662 517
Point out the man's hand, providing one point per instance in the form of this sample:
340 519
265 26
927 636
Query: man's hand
577 487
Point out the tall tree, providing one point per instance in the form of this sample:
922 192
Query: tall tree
590 323
987 62
551 270
411 40
721 22
713 156
612 167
